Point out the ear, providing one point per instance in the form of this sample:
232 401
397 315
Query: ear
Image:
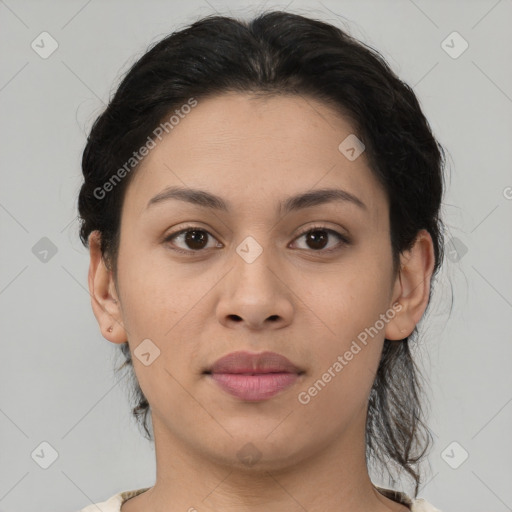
104 300
412 287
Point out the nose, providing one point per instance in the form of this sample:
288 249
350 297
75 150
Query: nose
255 296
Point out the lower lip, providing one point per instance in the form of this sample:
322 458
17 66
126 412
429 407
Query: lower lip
254 387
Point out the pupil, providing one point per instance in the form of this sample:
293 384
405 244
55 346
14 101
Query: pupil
195 236
315 239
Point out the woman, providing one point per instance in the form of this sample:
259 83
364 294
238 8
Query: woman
261 204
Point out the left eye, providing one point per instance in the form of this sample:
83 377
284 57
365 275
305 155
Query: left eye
196 239
318 236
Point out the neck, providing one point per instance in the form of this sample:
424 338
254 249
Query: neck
332 477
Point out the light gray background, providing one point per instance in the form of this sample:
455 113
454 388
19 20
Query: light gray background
57 382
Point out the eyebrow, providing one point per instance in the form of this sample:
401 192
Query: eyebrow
297 202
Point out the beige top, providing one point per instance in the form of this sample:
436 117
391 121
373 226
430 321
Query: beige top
114 503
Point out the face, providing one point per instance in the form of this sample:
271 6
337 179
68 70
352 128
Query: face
307 282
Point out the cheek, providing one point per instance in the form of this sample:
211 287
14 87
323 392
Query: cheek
348 345
159 303
345 319
153 294
348 301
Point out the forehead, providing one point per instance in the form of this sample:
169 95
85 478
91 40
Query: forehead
252 149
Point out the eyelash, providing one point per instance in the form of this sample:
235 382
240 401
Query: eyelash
344 241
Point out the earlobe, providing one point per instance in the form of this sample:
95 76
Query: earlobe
104 300
412 287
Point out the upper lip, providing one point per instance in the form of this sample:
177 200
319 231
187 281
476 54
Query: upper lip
247 362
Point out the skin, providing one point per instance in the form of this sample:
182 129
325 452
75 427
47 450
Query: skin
294 299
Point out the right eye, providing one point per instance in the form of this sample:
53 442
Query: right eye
194 237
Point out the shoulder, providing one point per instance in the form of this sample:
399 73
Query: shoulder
421 505
415 505
113 504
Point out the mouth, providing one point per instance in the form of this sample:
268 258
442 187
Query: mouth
254 377
254 387
253 363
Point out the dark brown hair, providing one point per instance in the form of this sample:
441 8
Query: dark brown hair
283 53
